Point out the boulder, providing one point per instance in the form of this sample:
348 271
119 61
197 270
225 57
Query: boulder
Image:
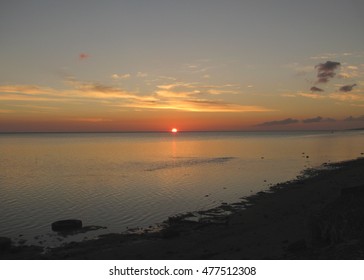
66 225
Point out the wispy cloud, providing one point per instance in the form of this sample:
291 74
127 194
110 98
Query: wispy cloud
189 89
347 97
142 74
337 55
120 76
91 120
325 56
26 89
172 96
195 105
197 67
351 71
312 95
3 111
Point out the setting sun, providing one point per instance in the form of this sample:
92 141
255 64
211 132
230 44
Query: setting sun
174 130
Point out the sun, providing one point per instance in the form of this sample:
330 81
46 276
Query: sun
174 130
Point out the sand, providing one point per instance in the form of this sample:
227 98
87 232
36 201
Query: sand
308 218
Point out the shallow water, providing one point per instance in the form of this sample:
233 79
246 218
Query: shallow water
121 180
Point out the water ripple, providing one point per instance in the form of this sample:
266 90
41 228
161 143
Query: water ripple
178 162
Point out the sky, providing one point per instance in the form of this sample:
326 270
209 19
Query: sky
199 65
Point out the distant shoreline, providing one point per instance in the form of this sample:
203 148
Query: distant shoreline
184 131
295 220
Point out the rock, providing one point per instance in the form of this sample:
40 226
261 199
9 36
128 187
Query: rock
5 243
65 225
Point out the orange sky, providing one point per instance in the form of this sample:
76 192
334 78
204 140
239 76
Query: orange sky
206 65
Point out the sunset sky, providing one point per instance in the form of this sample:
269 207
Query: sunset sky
134 65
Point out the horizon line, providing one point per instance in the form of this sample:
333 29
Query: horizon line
180 131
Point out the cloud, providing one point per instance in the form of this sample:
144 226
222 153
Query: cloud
29 98
83 56
194 105
180 89
353 67
280 122
220 106
318 119
353 119
312 120
79 91
3 111
316 89
350 71
174 96
347 97
326 71
311 95
142 75
347 88
300 70
120 77
26 89
91 120
335 55
196 68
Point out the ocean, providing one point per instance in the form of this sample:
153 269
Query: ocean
128 180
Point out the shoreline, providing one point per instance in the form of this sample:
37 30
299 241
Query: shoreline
307 218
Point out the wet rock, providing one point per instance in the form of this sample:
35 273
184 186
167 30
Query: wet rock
5 243
65 225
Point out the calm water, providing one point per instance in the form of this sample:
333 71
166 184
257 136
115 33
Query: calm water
121 180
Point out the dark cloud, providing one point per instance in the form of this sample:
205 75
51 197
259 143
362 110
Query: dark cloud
330 120
318 119
312 120
281 122
316 89
347 88
353 119
326 71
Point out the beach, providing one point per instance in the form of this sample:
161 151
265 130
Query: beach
319 215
